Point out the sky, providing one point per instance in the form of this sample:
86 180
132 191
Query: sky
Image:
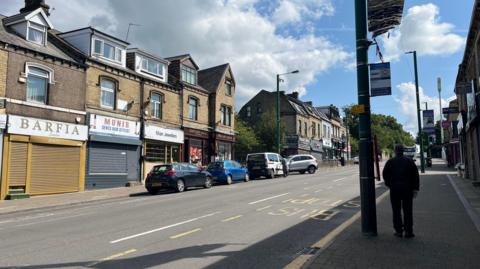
262 38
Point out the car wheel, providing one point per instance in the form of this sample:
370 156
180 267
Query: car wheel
152 191
229 179
208 183
311 169
247 177
271 174
180 185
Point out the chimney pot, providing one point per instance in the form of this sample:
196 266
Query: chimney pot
31 5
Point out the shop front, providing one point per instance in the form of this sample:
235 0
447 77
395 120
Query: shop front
327 149
113 152
222 146
316 149
42 157
162 145
196 146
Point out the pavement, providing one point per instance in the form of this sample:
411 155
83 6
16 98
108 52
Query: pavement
446 225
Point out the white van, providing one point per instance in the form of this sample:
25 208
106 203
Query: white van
267 164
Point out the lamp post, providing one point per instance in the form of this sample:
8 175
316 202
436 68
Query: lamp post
420 133
278 106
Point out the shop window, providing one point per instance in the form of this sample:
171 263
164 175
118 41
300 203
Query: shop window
156 102
107 93
192 108
196 152
224 151
162 152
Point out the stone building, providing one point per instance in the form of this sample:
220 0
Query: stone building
339 132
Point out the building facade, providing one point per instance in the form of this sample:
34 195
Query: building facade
338 147
43 120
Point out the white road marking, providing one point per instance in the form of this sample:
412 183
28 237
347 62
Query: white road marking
185 233
50 220
163 228
336 180
118 255
317 191
232 218
269 198
336 203
263 208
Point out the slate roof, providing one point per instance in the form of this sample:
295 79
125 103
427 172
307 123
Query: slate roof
11 37
16 17
211 77
181 58
305 109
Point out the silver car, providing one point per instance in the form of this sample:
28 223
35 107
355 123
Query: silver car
302 163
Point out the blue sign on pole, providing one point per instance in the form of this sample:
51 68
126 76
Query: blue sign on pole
428 122
380 79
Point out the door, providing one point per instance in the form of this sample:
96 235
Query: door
197 178
239 170
294 163
108 166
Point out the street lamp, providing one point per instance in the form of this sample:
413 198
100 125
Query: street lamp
278 106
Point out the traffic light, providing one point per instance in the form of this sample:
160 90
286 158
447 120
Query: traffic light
430 140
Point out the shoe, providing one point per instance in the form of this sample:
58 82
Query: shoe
397 234
409 235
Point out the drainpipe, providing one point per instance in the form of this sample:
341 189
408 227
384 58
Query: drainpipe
142 127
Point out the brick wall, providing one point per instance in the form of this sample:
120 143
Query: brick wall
3 72
221 97
202 121
171 105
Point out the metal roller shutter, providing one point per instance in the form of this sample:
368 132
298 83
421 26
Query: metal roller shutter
54 169
17 171
107 159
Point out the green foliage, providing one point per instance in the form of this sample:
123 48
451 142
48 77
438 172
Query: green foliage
388 131
246 140
266 130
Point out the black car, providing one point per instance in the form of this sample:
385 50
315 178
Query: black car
178 176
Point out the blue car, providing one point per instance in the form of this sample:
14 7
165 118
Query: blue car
227 172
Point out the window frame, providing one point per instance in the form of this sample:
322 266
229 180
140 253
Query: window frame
228 88
160 103
49 79
37 27
117 51
197 101
249 111
191 71
161 67
115 89
226 115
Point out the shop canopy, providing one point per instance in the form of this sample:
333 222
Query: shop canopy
384 15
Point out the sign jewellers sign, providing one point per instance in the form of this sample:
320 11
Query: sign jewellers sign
164 134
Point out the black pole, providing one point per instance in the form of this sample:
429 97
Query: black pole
420 132
367 184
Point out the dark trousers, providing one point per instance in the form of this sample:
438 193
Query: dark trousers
402 200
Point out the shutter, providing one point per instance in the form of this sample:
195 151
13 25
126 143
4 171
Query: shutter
54 169
107 159
17 171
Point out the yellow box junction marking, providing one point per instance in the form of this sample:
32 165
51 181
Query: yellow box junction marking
185 233
114 256
232 218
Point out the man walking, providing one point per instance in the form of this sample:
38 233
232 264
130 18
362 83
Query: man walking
401 177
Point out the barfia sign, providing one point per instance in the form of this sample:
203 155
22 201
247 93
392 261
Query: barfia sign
47 128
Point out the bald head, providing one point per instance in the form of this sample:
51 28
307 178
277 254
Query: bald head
399 150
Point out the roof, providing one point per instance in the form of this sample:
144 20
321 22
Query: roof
148 54
305 109
10 37
182 58
95 31
210 78
26 16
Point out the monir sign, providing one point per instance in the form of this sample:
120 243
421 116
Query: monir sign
103 125
40 127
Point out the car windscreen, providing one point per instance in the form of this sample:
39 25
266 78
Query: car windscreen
215 165
162 168
256 158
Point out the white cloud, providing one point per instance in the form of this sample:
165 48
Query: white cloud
408 104
422 31
286 12
292 11
214 32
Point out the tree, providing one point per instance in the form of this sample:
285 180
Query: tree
266 130
246 141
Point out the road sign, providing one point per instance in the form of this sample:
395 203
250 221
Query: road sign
463 87
428 122
380 79
357 109
450 110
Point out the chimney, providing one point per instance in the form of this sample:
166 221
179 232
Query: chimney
293 95
31 5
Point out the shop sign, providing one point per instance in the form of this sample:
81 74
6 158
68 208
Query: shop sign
450 110
327 142
47 128
3 121
316 145
304 143
164 134
112 126
196 133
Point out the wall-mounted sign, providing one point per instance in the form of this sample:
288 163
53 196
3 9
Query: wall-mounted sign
164 134
463 87
47 128
3 121
327 142
380 79
316 145
428 122
450 110
112 126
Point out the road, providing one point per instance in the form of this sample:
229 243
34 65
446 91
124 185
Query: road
258 224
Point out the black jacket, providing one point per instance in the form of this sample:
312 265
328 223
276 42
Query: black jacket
401 174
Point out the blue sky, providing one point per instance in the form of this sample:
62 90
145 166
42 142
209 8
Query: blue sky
261 38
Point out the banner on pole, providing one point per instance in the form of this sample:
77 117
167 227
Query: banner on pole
428 122
380 79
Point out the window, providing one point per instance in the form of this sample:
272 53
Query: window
156 101
162 152
107 94
229 88
192 108
226 115
188 75
319 131
272 157
153 67
324 131
107 50
299 127
259 108
249 111
313 130
36 33
305 128
37 84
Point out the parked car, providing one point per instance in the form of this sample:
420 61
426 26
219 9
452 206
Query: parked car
178 176
302 163
227 172
266 164
356 160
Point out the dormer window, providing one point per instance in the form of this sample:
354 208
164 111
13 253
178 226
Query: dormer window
189 75
36 33
153 67
107 50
